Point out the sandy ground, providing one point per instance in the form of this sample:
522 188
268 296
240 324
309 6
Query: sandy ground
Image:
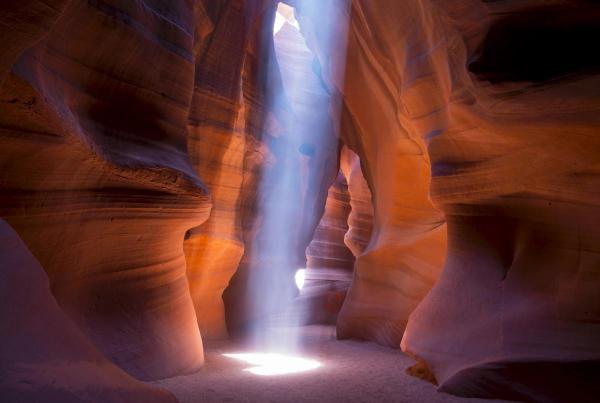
351 371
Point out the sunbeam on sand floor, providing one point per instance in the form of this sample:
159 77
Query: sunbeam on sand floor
322 370
269 364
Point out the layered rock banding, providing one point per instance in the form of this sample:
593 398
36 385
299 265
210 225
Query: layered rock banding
329 262
513 160
360 219
406 252
225 148
343 234
43 355
474 123
515 169
96 177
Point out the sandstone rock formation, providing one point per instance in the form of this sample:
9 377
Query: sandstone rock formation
468 194
329 262
360 219
511 135
406 252
515 169
224 128
96 177
43 356
23 23
343 234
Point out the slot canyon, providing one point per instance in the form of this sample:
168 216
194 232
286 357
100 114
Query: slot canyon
299 201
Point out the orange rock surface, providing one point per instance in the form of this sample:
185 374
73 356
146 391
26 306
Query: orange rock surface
329 262
44 356
514 148
225 116
96 179
407 248
475 95
360 219
139 142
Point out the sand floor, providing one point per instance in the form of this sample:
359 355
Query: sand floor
351 371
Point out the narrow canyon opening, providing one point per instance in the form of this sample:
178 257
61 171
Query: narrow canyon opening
299 267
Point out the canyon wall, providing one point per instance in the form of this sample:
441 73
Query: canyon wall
406 251
95 175
360 218
494 104
342 235
104 145
329 262
44 357
472 182
226 124
515 170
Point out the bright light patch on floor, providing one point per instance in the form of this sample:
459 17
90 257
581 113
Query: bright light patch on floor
269 364
299 277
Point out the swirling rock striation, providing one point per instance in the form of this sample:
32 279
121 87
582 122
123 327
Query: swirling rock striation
360 219
495 105
515 169
329 262
227 109
407 248
43 355
96 178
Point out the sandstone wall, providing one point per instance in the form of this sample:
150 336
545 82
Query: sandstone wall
407 248
225 130
482 114
95 175
515 170
43 355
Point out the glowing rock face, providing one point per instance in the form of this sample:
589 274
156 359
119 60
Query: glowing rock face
284 14
299 278
268 364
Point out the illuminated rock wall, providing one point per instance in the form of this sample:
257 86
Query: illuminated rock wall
95 175
330 262
474 226
407 248
225 130
515 169
360 219
493 104
44 356
343 234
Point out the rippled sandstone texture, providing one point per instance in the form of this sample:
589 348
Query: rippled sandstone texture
515 169
95 175
44 357
405 254
484 114
360 218
342 235
225 130
499 102
329 262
